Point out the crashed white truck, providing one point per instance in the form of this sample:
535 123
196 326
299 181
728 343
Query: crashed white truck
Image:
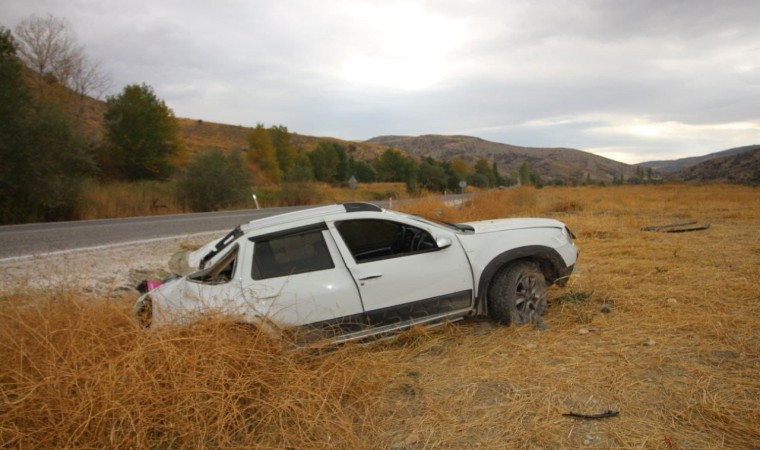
356 270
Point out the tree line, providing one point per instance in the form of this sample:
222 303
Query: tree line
47 158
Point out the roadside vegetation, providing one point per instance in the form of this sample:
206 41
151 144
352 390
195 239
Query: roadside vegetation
69 155
658 327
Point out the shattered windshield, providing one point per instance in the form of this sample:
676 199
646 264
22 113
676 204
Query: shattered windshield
221 272
221 245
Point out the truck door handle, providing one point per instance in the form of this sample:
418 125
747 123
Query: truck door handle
370 277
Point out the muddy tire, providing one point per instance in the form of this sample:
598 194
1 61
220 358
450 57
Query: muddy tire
517 294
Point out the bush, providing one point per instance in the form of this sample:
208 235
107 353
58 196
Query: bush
214 181
295 194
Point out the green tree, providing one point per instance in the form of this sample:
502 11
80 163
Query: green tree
142 135
301 171
498 179
452 177
14 97
524 174
14 110
297 188
330 162
432 176
639 174
44 159
478 180
263 153
536 180
284 149
363 171
324 161
214 181
393 165
341 172
485 174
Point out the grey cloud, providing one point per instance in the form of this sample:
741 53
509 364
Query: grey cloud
528 73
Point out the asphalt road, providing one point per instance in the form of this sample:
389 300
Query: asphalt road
39 239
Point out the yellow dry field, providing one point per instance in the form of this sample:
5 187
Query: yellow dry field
677 354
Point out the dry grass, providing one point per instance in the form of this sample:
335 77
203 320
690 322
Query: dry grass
678 355
80 374
147 198
124 199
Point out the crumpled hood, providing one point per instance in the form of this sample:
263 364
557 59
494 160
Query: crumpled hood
488 226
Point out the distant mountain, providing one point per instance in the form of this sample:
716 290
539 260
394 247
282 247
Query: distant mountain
743 167
737 165
671 166
564 164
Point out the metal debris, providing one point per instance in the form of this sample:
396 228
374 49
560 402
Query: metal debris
604 415
677 227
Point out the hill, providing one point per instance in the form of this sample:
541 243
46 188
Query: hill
676 165
85 111
736 165
199 135
563 164
743 168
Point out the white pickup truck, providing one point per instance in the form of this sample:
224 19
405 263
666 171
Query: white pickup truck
357 270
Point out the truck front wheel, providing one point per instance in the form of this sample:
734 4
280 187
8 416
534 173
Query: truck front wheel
517 294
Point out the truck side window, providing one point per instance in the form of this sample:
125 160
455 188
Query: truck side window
289 255
370 240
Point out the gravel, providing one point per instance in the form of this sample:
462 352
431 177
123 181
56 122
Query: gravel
103 271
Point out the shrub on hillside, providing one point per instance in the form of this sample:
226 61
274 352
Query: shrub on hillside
214 181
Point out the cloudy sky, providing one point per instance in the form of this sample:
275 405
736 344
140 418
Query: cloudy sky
632 80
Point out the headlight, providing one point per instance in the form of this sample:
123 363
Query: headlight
569 234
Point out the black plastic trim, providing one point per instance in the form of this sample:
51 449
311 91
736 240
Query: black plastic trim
398 314
421 308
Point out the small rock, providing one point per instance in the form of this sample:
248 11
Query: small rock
671 301
583 331
531 346
407 390
606 309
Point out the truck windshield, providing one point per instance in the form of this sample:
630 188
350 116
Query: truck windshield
221 245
